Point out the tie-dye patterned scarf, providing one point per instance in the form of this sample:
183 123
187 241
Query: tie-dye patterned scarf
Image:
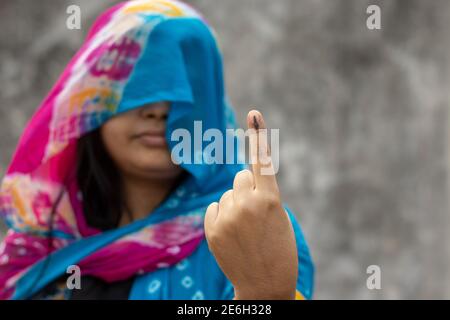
137 52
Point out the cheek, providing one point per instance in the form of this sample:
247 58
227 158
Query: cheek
116 141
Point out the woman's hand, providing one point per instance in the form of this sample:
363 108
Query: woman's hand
249 232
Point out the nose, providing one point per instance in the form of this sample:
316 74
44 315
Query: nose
157 111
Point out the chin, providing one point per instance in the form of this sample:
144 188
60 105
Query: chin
161 166
160 172
156 157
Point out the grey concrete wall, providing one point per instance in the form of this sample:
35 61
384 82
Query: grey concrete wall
363 118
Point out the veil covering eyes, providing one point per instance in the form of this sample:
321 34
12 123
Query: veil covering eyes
135 53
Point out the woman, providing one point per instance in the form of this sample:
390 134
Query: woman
93 187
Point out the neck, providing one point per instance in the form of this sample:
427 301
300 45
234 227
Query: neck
142 196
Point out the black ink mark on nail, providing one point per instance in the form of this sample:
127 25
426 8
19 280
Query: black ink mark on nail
255 123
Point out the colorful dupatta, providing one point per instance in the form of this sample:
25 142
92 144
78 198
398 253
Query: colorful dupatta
136 53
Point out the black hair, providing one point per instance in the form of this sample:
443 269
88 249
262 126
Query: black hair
99 183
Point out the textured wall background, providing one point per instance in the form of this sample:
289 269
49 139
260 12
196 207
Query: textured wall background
364 119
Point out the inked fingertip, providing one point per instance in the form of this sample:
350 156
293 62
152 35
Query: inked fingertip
254 119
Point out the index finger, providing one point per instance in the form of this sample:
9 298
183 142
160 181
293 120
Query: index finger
260 157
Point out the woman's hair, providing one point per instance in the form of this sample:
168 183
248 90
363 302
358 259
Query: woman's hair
99 183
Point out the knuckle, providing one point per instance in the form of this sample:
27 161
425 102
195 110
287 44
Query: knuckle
225 196
243 205
241 176
217 237
212 236
271 200
272 205
211 206
245 173
228 228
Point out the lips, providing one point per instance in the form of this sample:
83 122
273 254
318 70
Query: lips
152 139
